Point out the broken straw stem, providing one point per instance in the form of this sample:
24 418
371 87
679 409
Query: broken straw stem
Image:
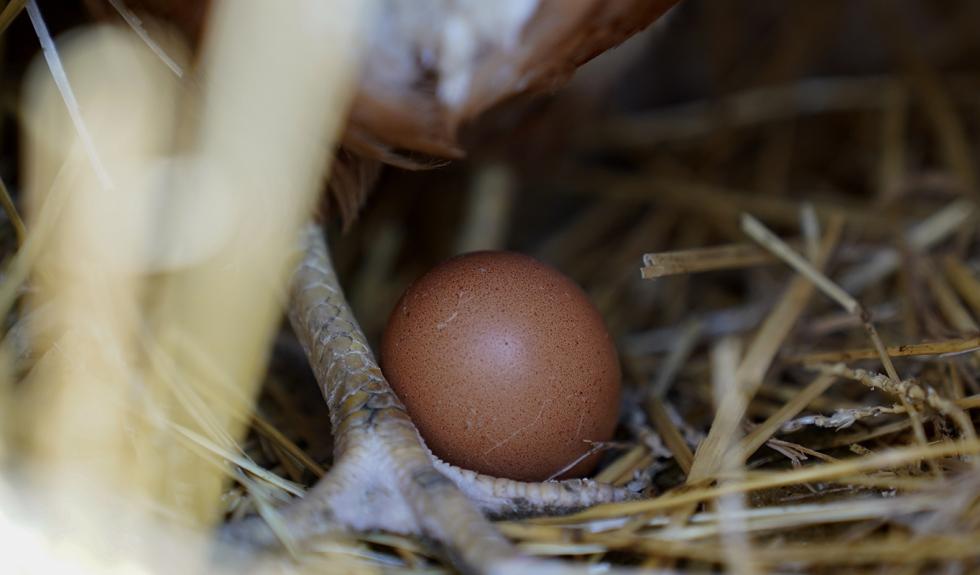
771 241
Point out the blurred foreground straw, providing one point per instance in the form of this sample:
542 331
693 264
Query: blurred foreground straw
159 272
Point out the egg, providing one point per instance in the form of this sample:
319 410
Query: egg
504 365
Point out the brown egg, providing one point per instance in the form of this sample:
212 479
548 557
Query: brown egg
505 366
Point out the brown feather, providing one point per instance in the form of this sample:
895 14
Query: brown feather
401 114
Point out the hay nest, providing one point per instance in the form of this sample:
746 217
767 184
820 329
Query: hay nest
774 207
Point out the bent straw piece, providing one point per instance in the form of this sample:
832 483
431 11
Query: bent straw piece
759 357
757 231
764 236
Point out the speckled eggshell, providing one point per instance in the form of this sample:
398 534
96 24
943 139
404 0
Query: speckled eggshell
505 366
